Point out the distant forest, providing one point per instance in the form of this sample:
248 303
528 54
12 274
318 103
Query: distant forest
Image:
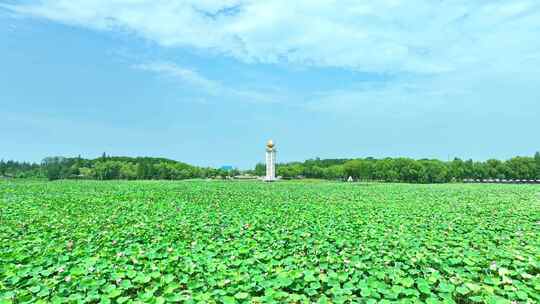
368 169
109 168
411 170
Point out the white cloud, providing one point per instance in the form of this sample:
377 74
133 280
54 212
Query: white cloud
415 36
448 54
184 75
207 86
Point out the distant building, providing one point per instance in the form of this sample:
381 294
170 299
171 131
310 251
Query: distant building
227 168
246 177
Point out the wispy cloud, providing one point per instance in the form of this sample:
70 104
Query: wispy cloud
418 36
462 50
184 75
207 86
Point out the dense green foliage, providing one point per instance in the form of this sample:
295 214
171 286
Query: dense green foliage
249 242
410 170
20 169
368 169
108 168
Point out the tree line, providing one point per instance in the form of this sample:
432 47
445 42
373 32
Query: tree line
410 170
369 169
109 168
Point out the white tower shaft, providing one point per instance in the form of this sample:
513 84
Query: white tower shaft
270 164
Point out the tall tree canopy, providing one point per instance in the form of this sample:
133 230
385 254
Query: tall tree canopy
370 169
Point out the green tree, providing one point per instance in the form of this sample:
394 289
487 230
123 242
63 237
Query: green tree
334 172
353 168
537 162
3 168
522 167
456 169
53 167
86 172
435 171
260 169
128 171
106 170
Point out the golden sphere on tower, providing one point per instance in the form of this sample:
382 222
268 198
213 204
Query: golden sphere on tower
270 144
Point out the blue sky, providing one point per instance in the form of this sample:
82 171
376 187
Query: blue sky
208 82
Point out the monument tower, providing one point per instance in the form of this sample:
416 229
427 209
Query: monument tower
270 161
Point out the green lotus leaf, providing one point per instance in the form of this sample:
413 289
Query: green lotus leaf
228 300
35 289
287 242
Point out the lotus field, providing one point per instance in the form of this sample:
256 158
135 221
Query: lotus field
253 242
